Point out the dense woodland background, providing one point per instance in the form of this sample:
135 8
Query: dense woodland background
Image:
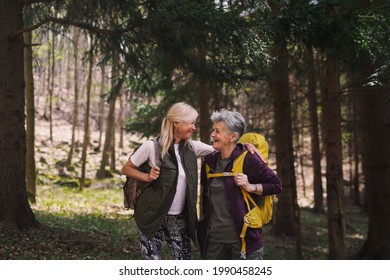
81 82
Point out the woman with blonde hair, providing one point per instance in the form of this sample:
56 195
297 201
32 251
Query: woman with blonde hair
168 205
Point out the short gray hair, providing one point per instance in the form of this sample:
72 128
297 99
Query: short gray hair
234 121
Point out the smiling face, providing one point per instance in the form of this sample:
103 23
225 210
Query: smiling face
223 139
183 130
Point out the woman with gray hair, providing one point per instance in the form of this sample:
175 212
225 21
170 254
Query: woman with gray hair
223 206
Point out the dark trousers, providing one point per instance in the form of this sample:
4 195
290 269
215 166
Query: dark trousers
176 235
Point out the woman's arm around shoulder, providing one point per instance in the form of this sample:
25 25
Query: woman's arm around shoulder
201 149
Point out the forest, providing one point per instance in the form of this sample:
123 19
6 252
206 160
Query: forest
82 83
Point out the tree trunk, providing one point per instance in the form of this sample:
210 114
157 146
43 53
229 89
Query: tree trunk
30 118
204 116
121 120
76 35
101 106
331 107
297 131
112 144
101 173
204 97
315 140
51 87
287 218
374 117
354 82
86 120
45 113
115 89
14 207
356 151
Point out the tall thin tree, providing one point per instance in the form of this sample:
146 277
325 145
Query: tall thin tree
86 118
30 113
314 131
101 105
288 214
52 58
76 36
115 89
331 118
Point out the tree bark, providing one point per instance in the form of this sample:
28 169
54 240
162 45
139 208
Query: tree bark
115 89
121 120
374 117
354 83
101 173
51 86
331 107
14 207
287 218
356 161
30 115
101 106
204 98
76 35
112 144
86 120
315 140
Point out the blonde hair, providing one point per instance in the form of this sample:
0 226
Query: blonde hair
179 112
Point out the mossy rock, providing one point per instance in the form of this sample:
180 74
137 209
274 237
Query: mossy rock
67 182
88 183
105 174
71 168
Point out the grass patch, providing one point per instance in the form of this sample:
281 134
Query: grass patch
92 224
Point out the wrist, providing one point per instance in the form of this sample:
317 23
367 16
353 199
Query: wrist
255 188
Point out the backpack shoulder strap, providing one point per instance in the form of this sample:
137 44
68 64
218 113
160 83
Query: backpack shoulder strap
237 168
157 151
239 163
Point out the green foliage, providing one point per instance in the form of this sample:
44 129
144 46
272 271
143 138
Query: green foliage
156 37
146 120
183 29
348 30
159 40
372 38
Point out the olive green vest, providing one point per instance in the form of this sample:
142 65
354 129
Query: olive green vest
154 203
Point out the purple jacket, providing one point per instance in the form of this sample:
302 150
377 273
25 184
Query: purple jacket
257 172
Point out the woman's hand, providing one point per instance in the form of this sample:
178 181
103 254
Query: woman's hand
154 173
252 149
242 181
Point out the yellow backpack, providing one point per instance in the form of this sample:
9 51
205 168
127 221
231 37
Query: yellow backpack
256 216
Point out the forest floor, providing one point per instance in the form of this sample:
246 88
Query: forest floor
92 223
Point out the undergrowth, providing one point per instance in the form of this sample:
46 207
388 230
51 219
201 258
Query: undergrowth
92 224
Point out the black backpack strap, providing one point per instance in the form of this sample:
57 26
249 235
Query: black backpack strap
157 151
